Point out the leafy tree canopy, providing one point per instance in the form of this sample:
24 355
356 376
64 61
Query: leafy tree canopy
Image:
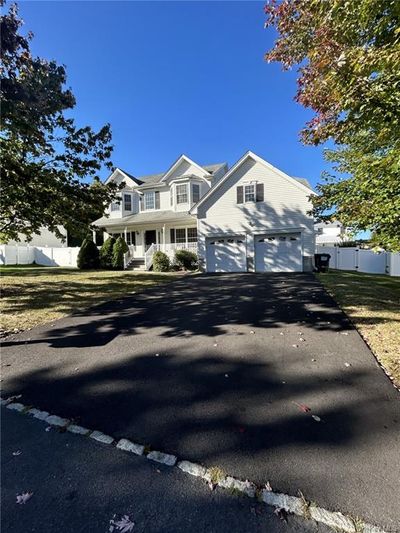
44 156
347 53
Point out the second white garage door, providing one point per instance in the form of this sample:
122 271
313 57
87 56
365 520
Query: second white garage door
278 253
226 254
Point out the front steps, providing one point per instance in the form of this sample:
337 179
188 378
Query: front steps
136 264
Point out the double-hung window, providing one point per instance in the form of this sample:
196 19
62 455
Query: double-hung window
195 193
192 234
250 192
180 235
149 200
182 194
128 202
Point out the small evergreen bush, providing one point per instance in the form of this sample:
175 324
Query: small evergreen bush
119 249
106 253
161 262
186 259
88 256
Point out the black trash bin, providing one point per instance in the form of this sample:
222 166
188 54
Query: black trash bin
322 262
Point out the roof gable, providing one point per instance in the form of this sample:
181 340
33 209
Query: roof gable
250 155
182 160
119 176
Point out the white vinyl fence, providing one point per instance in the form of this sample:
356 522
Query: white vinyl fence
41 255
359 260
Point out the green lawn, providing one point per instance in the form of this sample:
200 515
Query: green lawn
33 295
373 304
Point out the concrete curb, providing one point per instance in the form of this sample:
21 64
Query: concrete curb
292 504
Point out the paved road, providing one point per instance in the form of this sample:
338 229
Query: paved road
78 485
212 368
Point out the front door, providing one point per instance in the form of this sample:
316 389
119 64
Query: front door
150 238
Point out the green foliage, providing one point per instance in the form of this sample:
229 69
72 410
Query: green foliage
88 256
349 75
106 253
186 259
119 249
50 167
161 262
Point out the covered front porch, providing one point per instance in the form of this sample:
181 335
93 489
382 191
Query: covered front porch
143 241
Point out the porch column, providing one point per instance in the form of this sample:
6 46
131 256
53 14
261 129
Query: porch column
94 236
125 236
164 238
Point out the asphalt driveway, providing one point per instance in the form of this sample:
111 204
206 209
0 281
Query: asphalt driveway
212 368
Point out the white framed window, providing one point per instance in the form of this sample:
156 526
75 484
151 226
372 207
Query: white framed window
180 235
149 200
182 194
250 192
195 193
128 202
192 234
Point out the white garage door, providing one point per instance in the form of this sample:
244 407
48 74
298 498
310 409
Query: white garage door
226 254
278 253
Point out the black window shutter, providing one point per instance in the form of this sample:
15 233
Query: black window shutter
157 199
141 202
239 194
260 192
172 235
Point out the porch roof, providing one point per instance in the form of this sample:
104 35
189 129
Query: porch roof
152 217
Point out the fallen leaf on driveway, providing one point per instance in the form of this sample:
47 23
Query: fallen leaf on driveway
316 418
281 513
125 525
347 364
16 453
24 497
252 332
303 407
295 345
268 486
48 428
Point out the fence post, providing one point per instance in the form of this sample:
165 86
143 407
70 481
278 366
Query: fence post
356 258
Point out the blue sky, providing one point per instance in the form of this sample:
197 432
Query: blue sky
176 77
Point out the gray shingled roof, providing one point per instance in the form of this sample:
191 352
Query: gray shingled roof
152 217
156 178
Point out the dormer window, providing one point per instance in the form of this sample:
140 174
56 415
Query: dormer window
182 194
128 202
195 193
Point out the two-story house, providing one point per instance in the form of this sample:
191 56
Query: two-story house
251 217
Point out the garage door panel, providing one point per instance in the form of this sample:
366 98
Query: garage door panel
226 254
278 253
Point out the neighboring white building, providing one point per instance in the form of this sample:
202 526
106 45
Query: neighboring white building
330 233
252 217
45 238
